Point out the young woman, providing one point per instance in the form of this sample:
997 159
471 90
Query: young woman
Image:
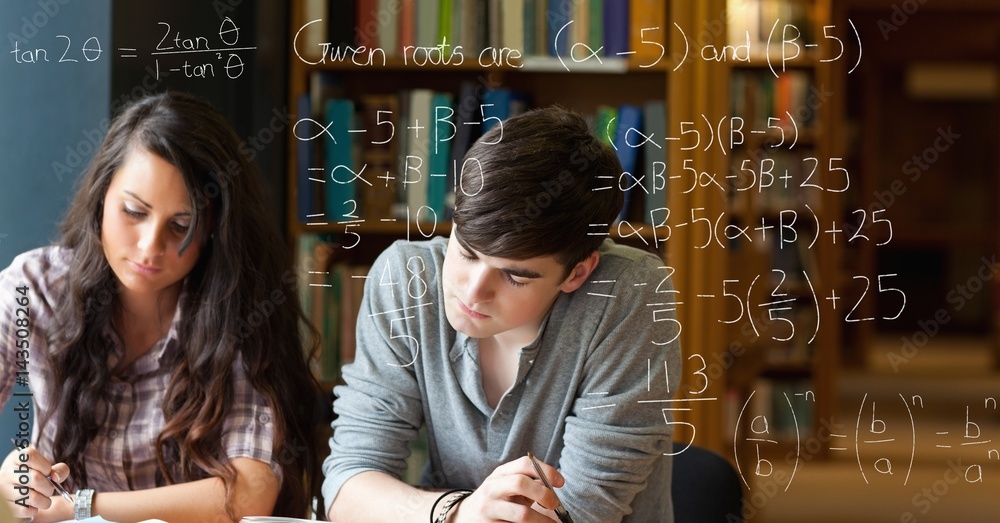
161 337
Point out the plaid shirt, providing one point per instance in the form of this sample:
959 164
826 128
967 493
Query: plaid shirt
122 456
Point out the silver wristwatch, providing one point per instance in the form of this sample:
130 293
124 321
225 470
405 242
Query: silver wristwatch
84 500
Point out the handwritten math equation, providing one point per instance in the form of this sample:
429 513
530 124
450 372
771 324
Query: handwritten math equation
784 227
728 133
884 439
784 44
781 298
784 183
194 56
866 440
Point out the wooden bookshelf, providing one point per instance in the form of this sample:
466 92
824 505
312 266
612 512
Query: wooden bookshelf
698 88
771 359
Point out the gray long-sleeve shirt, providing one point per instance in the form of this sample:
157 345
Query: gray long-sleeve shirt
584 399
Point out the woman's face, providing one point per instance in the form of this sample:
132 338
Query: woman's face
146 216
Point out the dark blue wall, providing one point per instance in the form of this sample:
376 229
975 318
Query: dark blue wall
50 113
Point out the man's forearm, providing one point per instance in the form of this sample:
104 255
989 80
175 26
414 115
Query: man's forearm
376 496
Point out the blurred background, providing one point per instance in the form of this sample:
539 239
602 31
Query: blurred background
865 390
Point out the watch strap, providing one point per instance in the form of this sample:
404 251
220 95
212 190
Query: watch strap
83 502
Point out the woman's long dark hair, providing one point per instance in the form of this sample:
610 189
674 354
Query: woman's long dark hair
240 301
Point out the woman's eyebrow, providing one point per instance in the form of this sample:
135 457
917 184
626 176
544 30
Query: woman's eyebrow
136 196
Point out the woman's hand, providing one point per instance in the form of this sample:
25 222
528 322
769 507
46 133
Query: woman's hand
27 492
512 493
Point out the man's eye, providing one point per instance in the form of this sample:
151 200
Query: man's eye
512 281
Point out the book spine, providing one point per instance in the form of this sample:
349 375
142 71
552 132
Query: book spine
616 33
440 153
629 119
647 19
557 18
304 157
339 151
416 164
655 160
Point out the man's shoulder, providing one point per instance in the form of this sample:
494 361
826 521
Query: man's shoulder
619 259
627 274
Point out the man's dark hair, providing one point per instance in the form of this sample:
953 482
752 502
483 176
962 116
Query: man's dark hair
546 183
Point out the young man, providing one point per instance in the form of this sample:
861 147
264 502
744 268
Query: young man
525 331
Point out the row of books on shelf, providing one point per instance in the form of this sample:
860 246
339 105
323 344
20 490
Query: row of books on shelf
401 156
757 96
773 409
609 28
761 20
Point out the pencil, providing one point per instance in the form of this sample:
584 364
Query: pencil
560 510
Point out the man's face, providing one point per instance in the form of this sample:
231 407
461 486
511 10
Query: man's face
485 296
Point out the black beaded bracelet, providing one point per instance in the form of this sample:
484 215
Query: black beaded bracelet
447 507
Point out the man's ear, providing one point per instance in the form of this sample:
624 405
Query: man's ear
581 271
